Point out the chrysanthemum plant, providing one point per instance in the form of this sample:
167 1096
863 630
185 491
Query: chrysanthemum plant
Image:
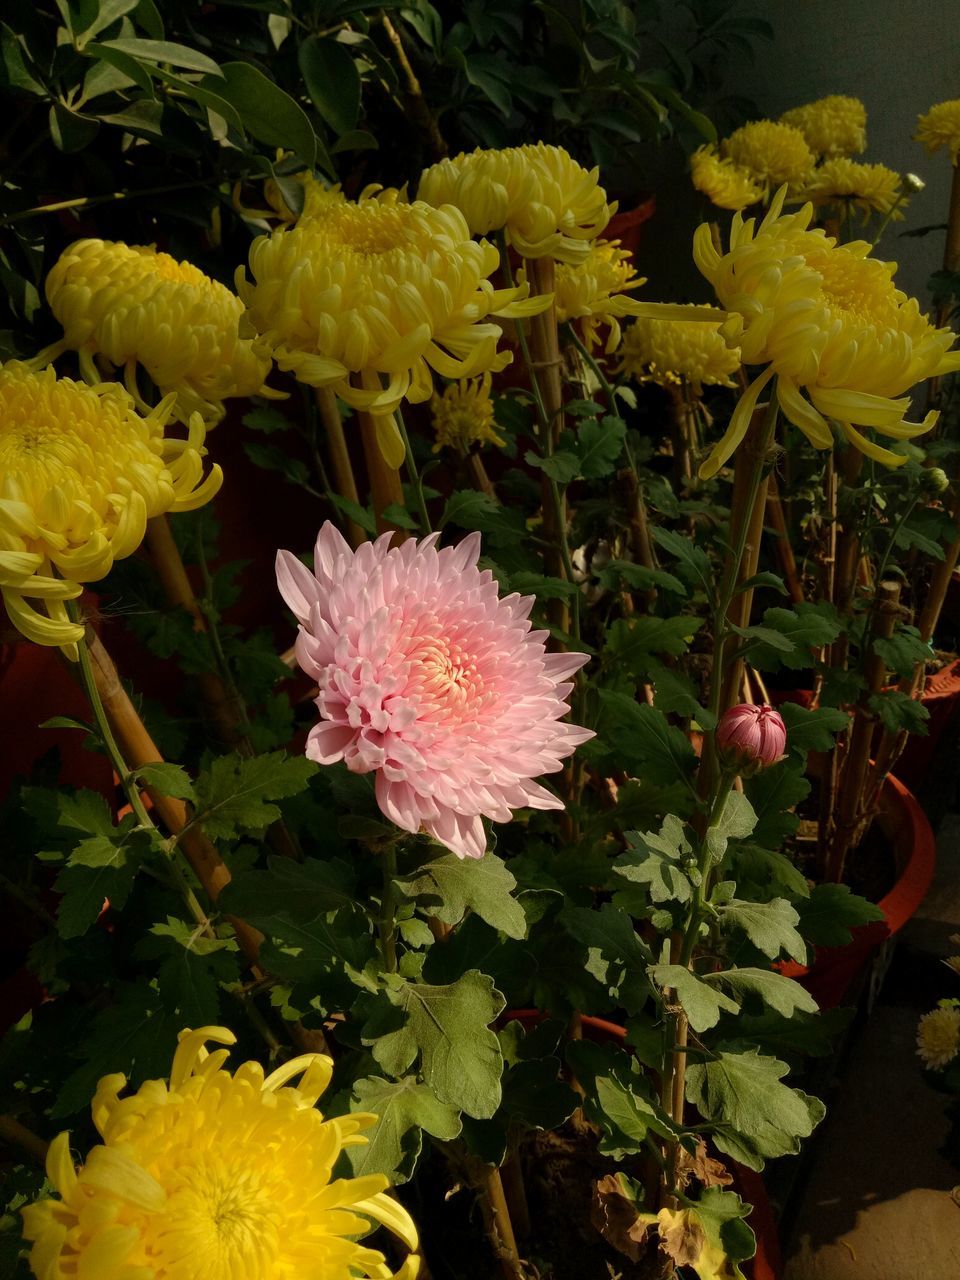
446 884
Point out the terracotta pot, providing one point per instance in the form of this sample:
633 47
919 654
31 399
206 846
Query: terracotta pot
625 225
766 1263
835 970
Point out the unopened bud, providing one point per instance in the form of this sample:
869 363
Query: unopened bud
751 737
912 182
933 481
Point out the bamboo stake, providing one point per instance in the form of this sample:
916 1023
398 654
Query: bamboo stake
139 749
12 1131
386 488
339 455
496 1214
778 523
419 107
741 605
851 814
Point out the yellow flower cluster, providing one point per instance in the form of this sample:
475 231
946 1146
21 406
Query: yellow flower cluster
546 204
670 351
229 1177
938 1035
370 297
772 153
868 187
940 127
727 185
827 321
463 415
81 472
833 126
595 291
134 305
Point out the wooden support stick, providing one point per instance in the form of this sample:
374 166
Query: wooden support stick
339 455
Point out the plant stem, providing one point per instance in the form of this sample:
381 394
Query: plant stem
387 923
414 475
12 1131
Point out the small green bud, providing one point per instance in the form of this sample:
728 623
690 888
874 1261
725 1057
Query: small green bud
933 481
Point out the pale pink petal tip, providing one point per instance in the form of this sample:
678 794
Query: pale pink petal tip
430 680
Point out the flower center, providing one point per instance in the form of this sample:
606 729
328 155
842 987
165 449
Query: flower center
370 231
224 1220
856 289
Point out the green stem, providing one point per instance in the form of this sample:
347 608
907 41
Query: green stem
695 915
387 924
607 389
413 472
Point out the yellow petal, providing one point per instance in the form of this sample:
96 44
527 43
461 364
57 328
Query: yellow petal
111 1170
859 406
803 415
390 441
392 1215
737 429
871 449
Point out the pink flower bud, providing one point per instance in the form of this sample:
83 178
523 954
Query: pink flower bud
751 737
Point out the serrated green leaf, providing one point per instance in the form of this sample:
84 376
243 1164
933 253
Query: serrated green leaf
831 911
736 821
448 1029
675 692
897 711
656 867
639 577
770 926
472 510
561 466
701 1002
807 627
628 1113
617 956
774 794
693 562
448 887
168 779
632 642
234 795
643 739
902 651
756 1116
777 992
814 730
403 1108
599 445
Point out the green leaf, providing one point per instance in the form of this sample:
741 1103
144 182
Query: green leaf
675 692
70 130
332 80
639 577
448 1028
234 794
897 711
625 1108
903 651
362 516
694 563
774 793
404 1108
266 419
267 112
617 956
806 627
448 887
757 1116
177 55
85 889
702 1004
535 584
84 811
631 642
599 446
722 1215
812 730
168 779
777 992
831 911
736 821
121 62
644 740
770 926
562 466
18 75
657 862
109 11
297 890
472 510
766 869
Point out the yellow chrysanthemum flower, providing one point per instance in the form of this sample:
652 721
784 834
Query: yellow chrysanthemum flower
727 184
668 351
595 292
825 319
865 186
938 1037
833 126
228 1177
463 415
547 205
773 153
940 127
134 305
368 297
81 472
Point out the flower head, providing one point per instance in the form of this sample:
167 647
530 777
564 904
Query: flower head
671 351
137 306
223 1176
751 737
81 472
728 185
595 291
826 319
463 415
832 126
546 204
368 297
430 680
940 127
772 153
938 1035
865 186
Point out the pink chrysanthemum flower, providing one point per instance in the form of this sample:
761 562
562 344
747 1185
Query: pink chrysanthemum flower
430 680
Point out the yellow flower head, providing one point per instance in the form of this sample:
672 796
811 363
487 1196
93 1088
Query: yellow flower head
940 127
773 153
826 319
546 203
228 1177
833 126
865 186
595 291
368 297
135 305
728 185
938 1036
668 351
463 415
81 472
